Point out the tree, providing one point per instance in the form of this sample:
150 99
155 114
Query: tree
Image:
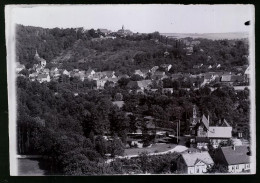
116 147
100 145
136 77
144 161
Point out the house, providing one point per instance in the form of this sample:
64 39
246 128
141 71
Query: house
123 76
140 73
43 78
176 76
65 72
144 84
46 71
167 90
104 31
226 78
41 61
247 74
124 32
19 67
89 73
235 158
166 67
155 68
215 134
158 75
80 75
33 76
104 75
237 78
55 72
38 68
208 77
145 72
194 162
101 83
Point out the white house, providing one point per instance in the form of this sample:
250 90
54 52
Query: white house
235 158
215 134
101 83
194 162
19 67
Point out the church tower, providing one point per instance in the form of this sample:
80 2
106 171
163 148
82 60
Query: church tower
36 56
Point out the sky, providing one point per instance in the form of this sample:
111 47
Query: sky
138 18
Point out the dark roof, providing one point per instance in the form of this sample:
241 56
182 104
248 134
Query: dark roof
236 78
205 121
202 139
235 156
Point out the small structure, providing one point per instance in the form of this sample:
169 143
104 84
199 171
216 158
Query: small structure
19 67
43 78
235 158
159 75
166 67
39 59
247 74
194 162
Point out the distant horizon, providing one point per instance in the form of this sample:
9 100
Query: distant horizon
244 32
169 18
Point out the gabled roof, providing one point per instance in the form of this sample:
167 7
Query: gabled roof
205 121
247 71
159 73
145 71
226 123
144 83
192 158
139 72
123 76
236 78
43 76
237 155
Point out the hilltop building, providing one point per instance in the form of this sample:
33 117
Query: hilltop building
40 60
124 32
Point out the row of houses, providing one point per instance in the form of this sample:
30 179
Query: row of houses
235 159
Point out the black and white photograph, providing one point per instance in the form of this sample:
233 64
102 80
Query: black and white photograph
133 89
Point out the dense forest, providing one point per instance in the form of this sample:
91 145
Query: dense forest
66 120
68 129
79 48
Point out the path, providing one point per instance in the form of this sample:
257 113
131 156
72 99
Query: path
178 148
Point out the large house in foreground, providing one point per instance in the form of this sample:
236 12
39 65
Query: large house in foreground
235 158
194 162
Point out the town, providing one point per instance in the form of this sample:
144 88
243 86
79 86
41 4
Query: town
194 121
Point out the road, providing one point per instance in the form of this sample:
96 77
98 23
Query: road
178 148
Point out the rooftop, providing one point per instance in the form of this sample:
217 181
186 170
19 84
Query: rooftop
237 155
192 158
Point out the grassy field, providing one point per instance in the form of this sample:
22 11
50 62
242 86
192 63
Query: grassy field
154 148
33 167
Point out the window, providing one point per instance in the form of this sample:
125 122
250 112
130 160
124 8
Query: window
198 170
237 167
